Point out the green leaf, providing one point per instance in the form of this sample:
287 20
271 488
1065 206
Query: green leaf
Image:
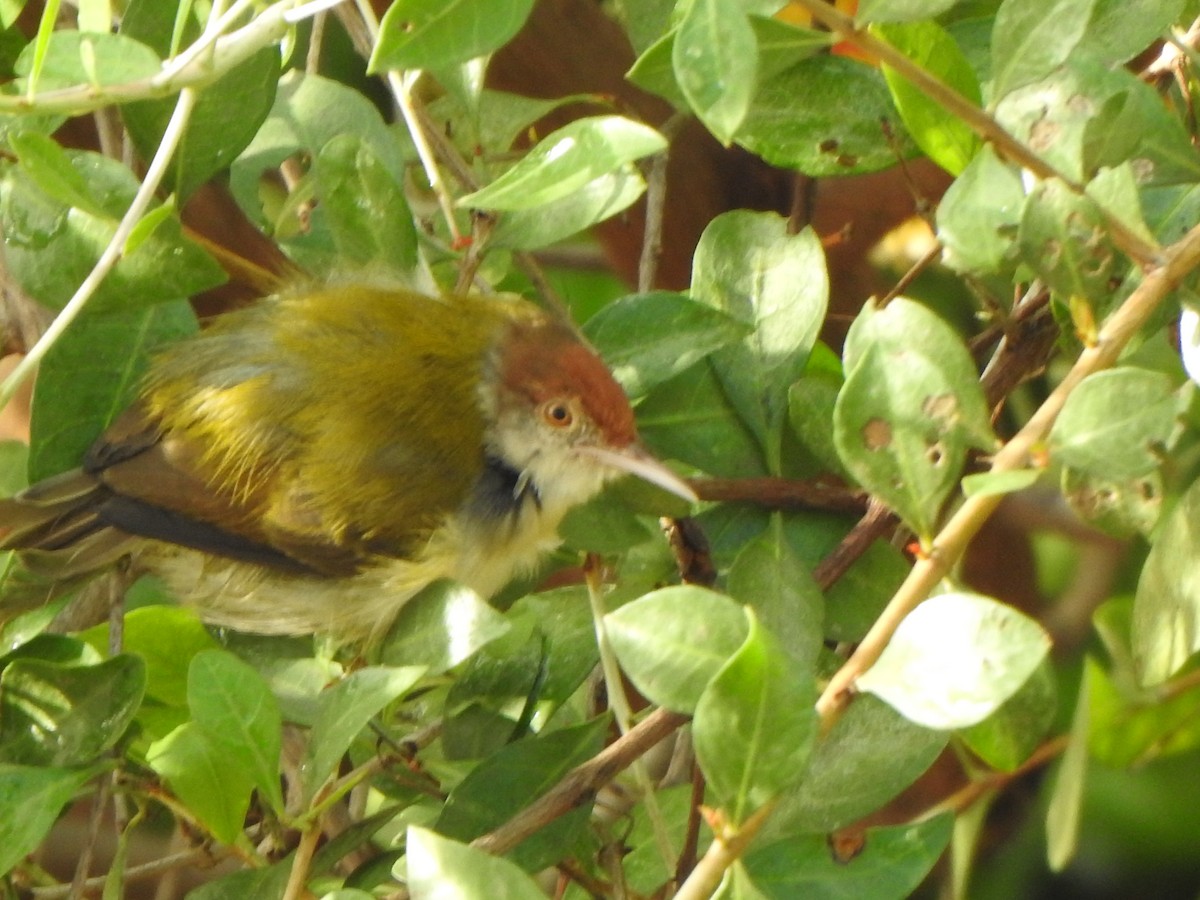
1121 508
30 802
440 627
343 710
901 10
51 248
514 777
754 725
1066 799
310 111
75 58
945 139
266 883
1007 737
1120 30
990 484
824 116
1116 191
599 199
1031 38
910 409
781 45
647 339
748 266
978 217
165 638
955 659
1129 728
365 207
892 863
654 71
55 714
440 869
845 780
673 640
214 137
1166 612
605 525
715 58
212 784
51 169
435 34
856 599
690 418
566 160
235 711
1116 423
91 374
1086 116
1063 237
769 577
810 411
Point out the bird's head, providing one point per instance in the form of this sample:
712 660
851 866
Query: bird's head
557 417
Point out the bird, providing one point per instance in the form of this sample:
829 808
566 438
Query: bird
309 463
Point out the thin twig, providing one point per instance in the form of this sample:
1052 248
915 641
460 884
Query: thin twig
874 524
724 851
970 793
133 873
656 203
781 493
1178 260
582 782
88 851
618 702
199 65
927 259
112 252
301 863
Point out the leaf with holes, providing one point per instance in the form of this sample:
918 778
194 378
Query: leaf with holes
1116 424
910 409
1063 237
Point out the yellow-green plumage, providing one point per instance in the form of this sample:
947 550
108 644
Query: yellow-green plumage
311 462
401 371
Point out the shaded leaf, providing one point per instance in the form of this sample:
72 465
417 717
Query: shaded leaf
754 725
236 713
890 863
440 627
1116 424
748 266
673 640
31 799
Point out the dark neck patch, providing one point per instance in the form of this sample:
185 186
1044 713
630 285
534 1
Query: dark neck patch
500 492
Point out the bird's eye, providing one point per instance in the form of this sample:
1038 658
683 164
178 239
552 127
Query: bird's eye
557 413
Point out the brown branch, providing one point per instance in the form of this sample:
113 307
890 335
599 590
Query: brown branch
877 521
781 493
968 794
581 783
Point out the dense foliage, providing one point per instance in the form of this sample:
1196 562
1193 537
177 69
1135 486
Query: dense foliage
1041 360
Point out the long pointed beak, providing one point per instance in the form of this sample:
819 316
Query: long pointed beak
636 461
